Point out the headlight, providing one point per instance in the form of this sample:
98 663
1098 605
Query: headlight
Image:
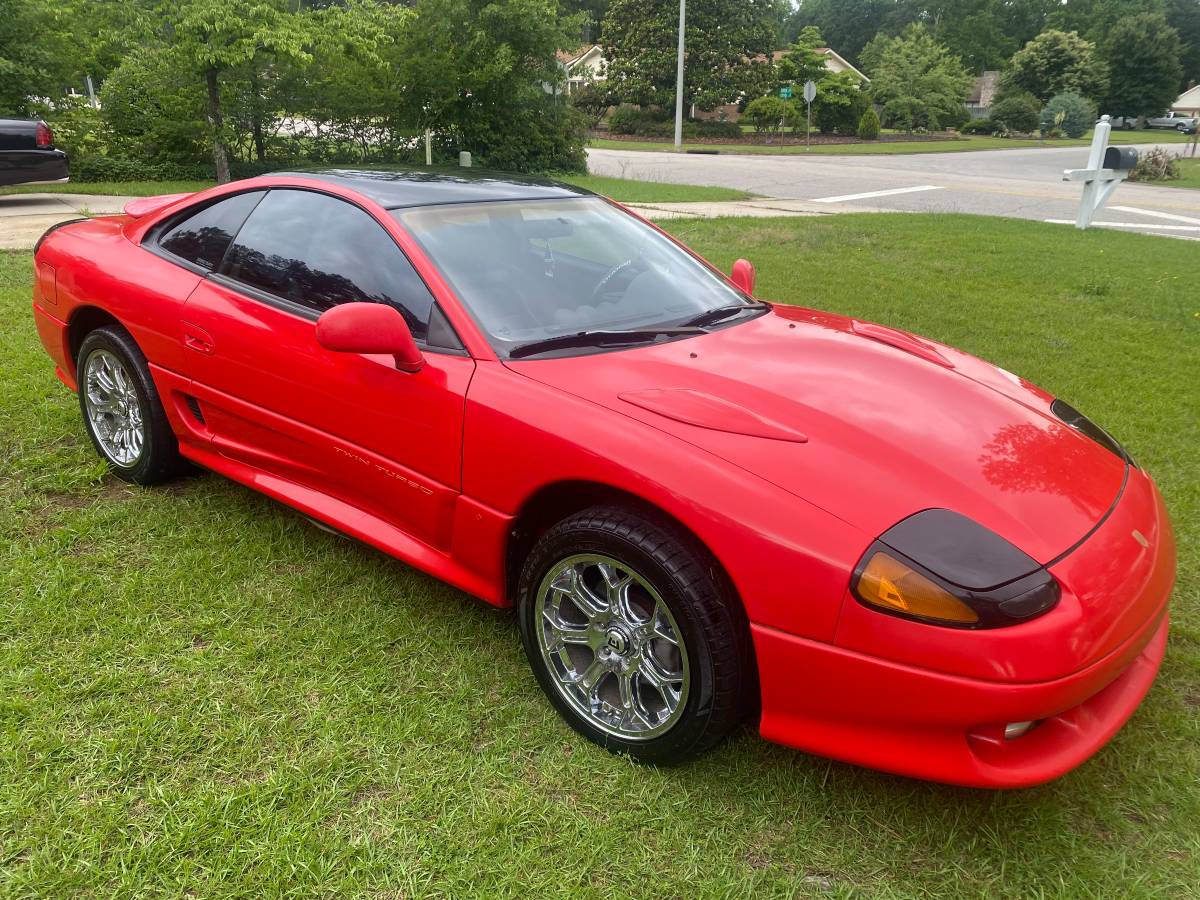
940 567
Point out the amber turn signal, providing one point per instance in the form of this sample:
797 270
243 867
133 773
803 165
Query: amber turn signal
890 584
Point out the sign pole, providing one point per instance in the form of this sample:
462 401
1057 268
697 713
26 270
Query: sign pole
810 94
679 79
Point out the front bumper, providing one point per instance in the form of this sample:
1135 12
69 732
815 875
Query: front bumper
926 724
932 702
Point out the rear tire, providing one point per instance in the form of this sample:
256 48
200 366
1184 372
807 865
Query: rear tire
634 636
122 411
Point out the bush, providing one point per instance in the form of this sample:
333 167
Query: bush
840 117
631 120
1017 113
979 126
868 125
1077 115
1157 164
592 101
714 129
770 114
550 142
660 123
90 169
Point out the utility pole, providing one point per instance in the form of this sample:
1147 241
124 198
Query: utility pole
679 79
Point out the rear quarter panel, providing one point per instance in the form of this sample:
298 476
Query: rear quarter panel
95 265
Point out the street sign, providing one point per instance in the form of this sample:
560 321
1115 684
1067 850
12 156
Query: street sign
786 92
810 91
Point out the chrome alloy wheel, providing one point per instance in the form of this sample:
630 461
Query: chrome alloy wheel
614 650
113 408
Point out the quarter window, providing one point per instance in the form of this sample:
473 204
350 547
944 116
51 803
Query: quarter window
316 251
202 238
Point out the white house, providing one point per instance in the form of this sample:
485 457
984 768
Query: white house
1188 102
834 62
587 64
583 66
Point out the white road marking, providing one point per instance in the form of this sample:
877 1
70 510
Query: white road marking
1154 226
1156 214
867 196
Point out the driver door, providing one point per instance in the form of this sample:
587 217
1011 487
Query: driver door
350 426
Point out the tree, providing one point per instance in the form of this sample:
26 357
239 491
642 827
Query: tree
349 93
848 25
840 103
972 30
1057 62
729 45
1143 56
29 64
213 37
474 70
802 62
1184 16
918 82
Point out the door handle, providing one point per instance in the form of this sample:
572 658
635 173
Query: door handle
196 338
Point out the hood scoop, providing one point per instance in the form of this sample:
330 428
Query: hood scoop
901 341
706 411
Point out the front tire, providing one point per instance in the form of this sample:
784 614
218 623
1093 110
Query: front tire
122 411
633 635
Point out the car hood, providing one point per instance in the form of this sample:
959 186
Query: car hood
869 423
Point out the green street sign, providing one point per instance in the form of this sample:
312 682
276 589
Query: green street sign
786 92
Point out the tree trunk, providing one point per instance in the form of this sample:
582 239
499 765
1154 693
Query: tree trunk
220 151
256 116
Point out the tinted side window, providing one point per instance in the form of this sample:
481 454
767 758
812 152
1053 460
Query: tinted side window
203 237
318 251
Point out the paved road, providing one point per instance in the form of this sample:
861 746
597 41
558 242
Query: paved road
1025 183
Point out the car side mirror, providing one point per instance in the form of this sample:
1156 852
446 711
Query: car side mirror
742 275
369 328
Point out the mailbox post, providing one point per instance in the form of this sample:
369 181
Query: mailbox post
1106 168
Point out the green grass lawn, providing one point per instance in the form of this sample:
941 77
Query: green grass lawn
203 695
1189 171
953 145
109 188
623 190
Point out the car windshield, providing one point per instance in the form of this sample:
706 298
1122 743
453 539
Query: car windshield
531 270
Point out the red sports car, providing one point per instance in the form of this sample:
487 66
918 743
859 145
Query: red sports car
704 507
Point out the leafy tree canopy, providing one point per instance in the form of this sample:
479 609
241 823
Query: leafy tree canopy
919 83
1143 57
1058 62
729 43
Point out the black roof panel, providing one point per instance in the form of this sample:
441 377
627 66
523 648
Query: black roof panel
395 188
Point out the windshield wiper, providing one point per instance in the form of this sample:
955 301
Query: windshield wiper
600 338
716 314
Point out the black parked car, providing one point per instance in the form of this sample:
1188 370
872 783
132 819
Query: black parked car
27 152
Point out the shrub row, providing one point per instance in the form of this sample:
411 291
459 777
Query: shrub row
659 123
109 168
